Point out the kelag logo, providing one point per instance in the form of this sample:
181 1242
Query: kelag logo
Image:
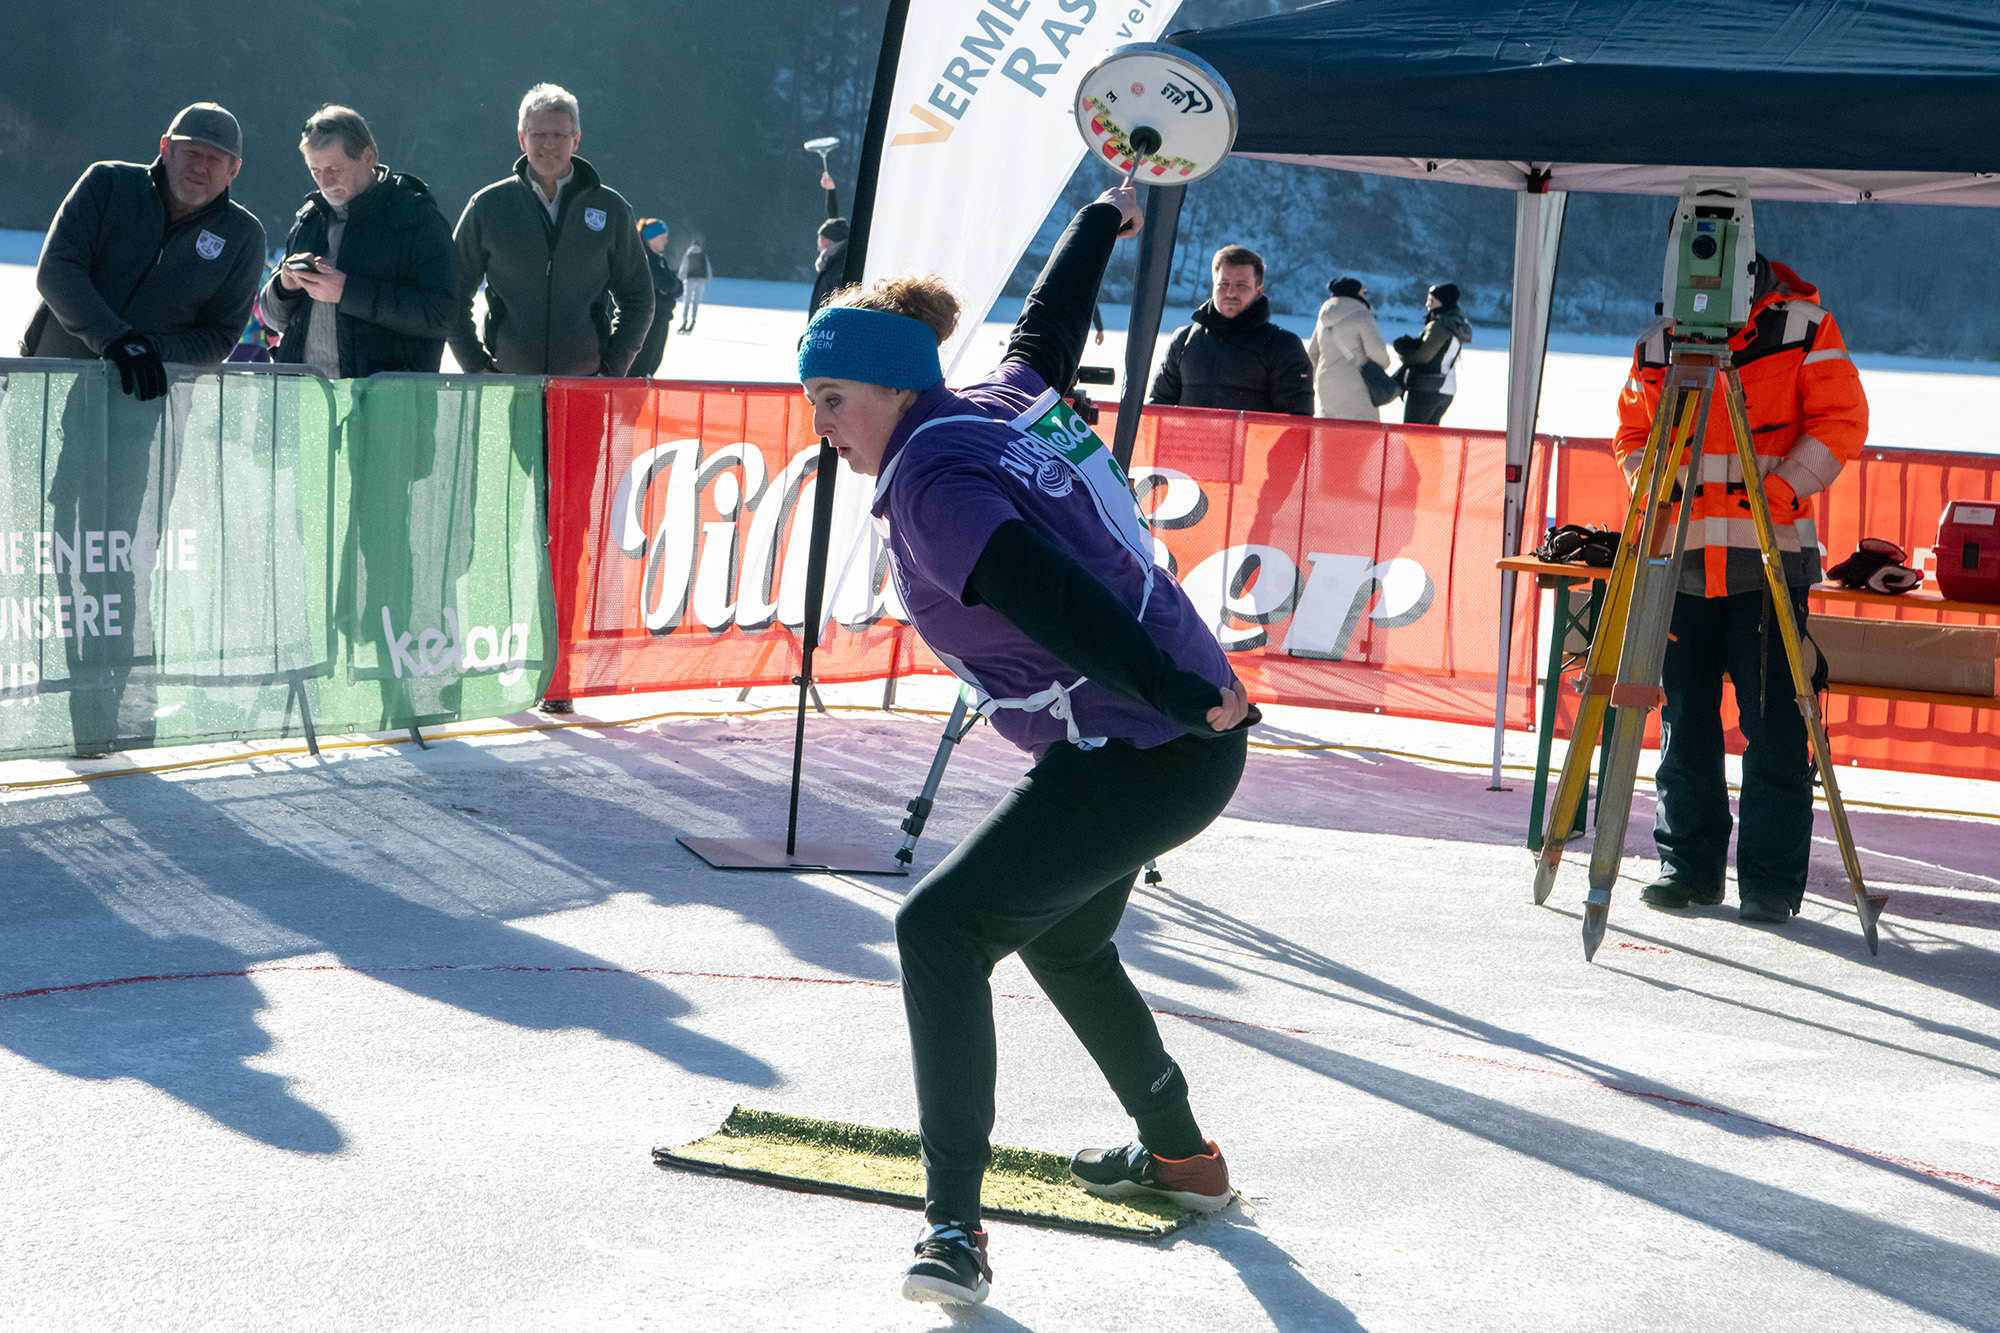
436 652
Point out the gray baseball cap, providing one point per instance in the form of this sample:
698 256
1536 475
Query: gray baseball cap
205 122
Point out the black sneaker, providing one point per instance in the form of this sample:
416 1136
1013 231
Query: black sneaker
951 1265
1670 890
1200 1183
555 707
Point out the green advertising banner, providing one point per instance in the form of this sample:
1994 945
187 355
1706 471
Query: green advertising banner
258 552
153 585
427 519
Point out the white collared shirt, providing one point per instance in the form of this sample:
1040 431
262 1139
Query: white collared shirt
555 203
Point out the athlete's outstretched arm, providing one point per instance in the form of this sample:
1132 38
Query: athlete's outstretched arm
1055 319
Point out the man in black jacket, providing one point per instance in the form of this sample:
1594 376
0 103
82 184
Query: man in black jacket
1233 356
145 265
549 241
1430 363
366 283
142 266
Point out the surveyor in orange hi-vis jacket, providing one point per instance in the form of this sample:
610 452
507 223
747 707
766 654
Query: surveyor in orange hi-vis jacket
1808 417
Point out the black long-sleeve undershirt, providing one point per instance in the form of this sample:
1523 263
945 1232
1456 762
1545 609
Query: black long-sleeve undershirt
1065 609
1055 319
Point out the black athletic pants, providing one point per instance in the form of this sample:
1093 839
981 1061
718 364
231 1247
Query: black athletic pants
1047 875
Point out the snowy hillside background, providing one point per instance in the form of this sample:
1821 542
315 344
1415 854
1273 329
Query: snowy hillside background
696 112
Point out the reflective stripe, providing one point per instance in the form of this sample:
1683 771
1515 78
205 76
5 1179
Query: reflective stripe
1801 317
1827 354
1809 467
1633 386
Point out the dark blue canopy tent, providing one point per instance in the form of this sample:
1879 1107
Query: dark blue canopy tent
1843 101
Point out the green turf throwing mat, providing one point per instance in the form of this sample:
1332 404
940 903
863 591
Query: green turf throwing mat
881 1166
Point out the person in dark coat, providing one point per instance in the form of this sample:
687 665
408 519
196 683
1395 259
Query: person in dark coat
378 293
1430 362
549 241
142 266
149 264
1233 356
830 269
666 290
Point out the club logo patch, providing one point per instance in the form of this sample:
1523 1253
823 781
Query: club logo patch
208 245
1054 478
593 218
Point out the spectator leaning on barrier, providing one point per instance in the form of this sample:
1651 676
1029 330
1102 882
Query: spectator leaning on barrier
653 235
549 241
830 268
1808 418
379 294
145 265
1233 356
694 275
1430 362
1344 337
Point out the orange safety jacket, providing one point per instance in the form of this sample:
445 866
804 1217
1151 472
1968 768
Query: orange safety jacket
1808 418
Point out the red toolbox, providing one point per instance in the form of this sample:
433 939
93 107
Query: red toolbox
1968 551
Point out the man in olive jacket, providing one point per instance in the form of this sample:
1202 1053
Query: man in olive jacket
378 293
549 241
149 264
1233 356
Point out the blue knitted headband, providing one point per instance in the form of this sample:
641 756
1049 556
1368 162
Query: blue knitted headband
871 346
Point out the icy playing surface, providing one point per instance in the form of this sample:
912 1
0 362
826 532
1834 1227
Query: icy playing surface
385 1041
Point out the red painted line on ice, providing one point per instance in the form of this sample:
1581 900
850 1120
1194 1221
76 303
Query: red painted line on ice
1897 1159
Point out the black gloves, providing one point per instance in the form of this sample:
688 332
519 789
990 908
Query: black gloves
141 373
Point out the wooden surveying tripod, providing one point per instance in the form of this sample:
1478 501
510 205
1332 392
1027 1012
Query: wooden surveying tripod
1626 655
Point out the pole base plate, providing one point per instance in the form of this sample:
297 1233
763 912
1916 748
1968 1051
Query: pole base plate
770 854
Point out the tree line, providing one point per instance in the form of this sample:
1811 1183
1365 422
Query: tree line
697 114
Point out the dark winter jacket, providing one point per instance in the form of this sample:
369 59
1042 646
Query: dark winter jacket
113 262
542 322
1245 364
667 286
398 303
829 269
1432 360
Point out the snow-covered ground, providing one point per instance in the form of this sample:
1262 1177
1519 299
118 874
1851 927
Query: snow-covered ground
383 1041
748 331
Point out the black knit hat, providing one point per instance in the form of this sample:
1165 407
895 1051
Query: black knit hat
1446 293
834 229
1344 287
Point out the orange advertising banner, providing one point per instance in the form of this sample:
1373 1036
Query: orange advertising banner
1343 565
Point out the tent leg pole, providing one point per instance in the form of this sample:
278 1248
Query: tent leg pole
1162 205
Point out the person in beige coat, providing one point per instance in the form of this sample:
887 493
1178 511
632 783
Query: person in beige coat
1344 337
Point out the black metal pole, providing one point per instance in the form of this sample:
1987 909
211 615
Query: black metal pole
1162 206
822 524
821 533
872 140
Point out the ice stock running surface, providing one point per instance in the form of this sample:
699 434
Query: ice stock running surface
418 1018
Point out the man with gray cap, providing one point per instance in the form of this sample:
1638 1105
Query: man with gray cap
149 264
